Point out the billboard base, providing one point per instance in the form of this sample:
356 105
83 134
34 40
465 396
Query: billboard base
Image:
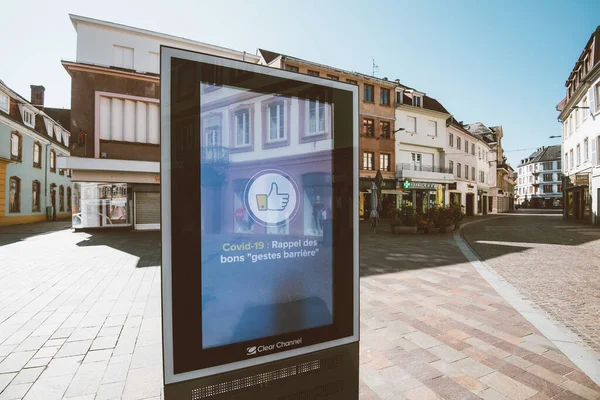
330 374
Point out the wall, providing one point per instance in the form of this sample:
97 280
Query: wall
95 46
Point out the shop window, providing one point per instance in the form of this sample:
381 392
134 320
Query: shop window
368 127
384 96
368 91
52 161
16 146
14 195
368 160
35 196
69 199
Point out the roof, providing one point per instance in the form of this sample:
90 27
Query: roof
75 19
481 131
432 104
550 153
268 55
583 54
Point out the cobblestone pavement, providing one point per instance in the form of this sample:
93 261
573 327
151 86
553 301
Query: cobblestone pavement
554 263
80 319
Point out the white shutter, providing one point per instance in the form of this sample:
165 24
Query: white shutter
49 126
595 151
153 124
141 122
104 118
592 97
57 132
129 121
116 120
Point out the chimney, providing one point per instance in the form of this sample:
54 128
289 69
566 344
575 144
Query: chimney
398 81
37 95
385 79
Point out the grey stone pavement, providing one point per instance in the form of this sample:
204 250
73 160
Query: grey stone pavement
553 263
80 319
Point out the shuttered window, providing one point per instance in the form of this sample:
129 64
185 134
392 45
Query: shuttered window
129 120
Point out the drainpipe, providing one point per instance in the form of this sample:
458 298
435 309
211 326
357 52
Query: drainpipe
46 161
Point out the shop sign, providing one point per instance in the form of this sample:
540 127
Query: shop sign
416 185
582 179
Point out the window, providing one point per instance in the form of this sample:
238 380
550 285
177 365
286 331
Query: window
399 98
353 82
123 57
291 68
61 171
368 93
16 146
466 172
384 162
479 153
333 77
412 124
242 128
384 128
275 121
368 160
316 117
451 140
473 149
481 177
37 155
547 166
451 166
558 166
52 161
473 173
368 127
4 103
548 177
68 173
312 73
567 161
547 188
68 199
432 128
458 169
61 198
417 101
35 196
458 143
578 155
14 195
416 160
584 106
585 150
154 61
28 118
466 146
559 188
571 165
597 97
384 96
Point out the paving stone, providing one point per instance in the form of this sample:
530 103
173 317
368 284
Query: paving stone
507 386
110 391
580 390
74 348
5 379
15 361
448 389
491 394
28 375
470 383
15 391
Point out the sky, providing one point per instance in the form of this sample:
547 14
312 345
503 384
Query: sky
497 62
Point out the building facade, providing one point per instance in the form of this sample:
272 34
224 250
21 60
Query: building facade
32 186
115 89
578 113
376 118
539 179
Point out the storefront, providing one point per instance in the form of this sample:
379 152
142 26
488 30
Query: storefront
389 196
482 198
420 195
100 205
577 197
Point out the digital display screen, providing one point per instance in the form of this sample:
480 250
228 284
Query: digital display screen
258 176
265 268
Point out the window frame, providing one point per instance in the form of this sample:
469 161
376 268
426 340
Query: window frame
451 166
381 130
37 164
69 199
578 154
333 77
368 89
410 119
52 161
458 144
61 198
19 137
466 146
365 127
382 158
28 118
417 100
233 131
313 72
586 148
384 100
451 140
17 180
466 172
292 68
473 174
7 97
268 143
458 170
435 128
36 196
473 149
366 159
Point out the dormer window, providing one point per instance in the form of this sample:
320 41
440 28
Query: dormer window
417 101
399 97
4 103
28 118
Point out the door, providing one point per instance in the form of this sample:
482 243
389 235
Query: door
470 204
416 160
53 201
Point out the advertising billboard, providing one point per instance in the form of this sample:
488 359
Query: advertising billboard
259 214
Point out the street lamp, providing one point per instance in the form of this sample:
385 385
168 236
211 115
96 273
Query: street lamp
552 137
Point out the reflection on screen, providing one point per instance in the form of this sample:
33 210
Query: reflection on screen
266 202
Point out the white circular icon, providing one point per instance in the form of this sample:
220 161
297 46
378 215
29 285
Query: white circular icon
271 198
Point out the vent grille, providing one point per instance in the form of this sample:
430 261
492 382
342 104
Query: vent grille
319 392
248 382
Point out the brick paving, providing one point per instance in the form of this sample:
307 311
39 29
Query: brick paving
553 263
80 319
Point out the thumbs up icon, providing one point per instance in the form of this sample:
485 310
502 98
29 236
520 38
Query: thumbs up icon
274 201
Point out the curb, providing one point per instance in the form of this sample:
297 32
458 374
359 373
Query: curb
562 337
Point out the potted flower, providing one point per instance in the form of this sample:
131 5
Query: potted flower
395 218
457 215
433 215
409 219
445 220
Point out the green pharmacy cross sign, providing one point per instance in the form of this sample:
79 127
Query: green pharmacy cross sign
406 184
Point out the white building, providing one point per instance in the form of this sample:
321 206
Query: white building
579 115
469 157
420 154
539 182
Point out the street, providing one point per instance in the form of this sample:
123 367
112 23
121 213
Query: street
80 312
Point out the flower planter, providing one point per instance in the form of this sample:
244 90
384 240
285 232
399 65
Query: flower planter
405 229
447 229
433 230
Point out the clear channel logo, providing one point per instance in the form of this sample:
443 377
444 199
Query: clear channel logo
253 350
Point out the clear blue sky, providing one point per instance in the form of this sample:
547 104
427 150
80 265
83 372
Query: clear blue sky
498 62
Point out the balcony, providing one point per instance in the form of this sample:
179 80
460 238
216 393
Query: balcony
426 173
215 155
